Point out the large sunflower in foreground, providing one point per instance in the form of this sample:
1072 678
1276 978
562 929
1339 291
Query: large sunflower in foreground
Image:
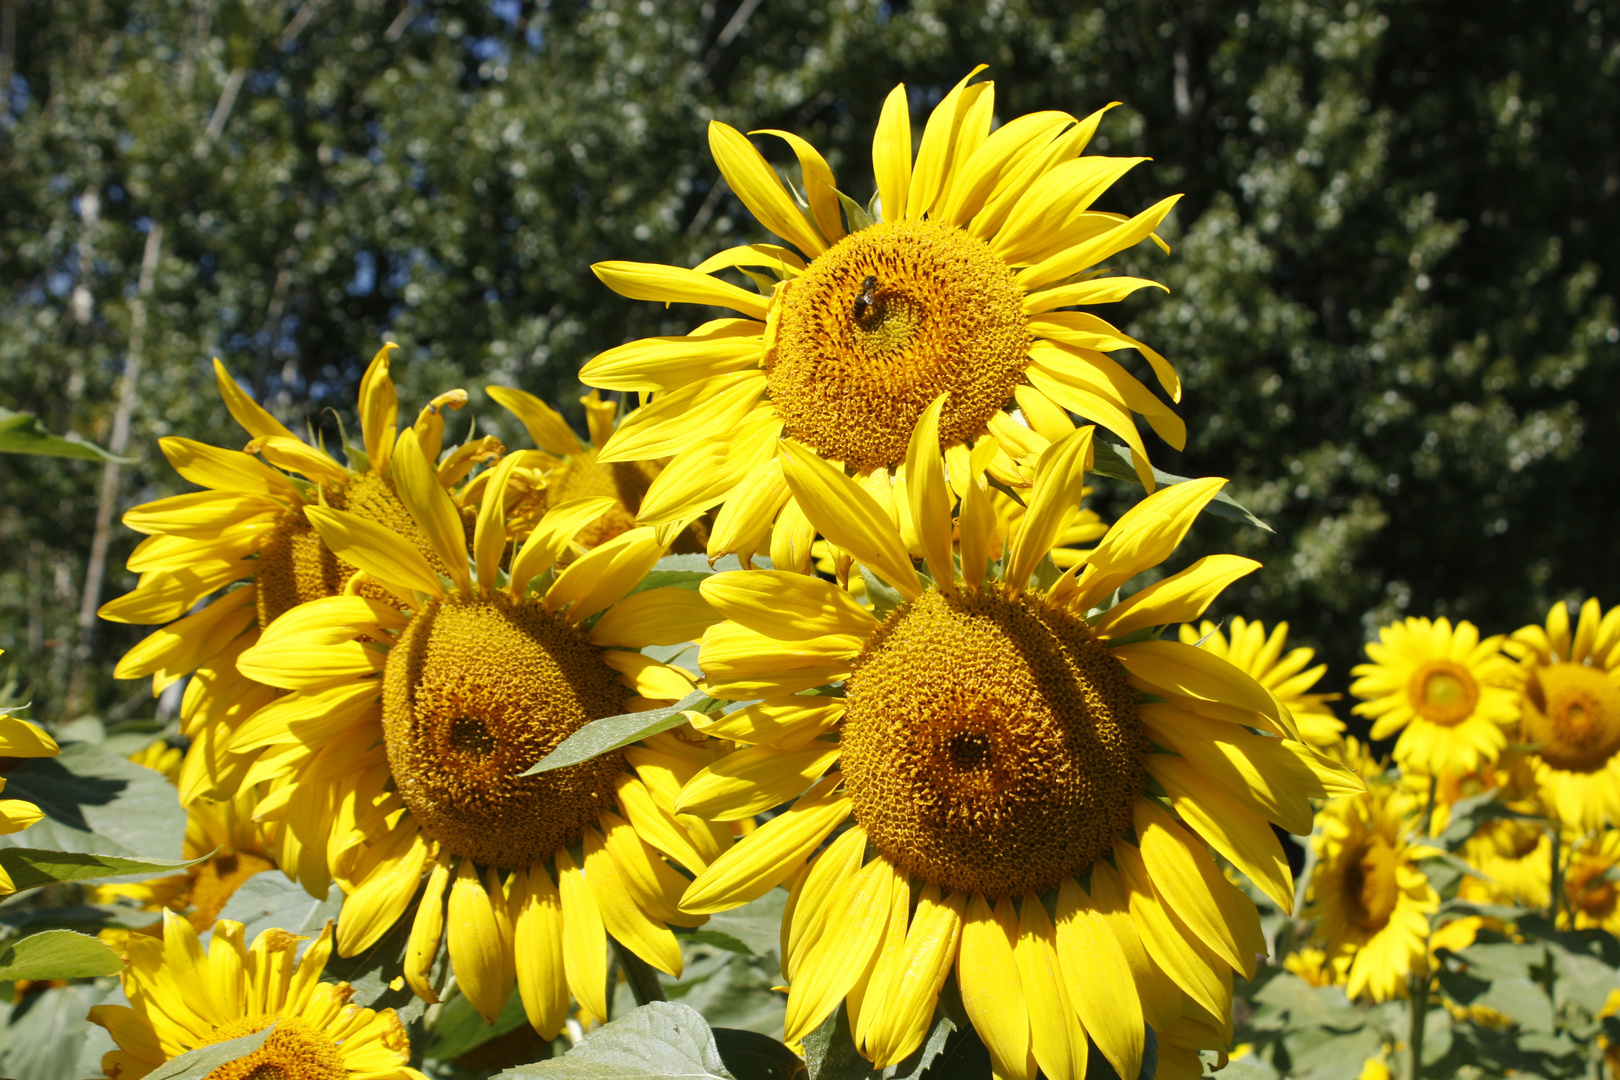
248 525
572 469
960 287
1368 898
183 997
1288 676
1449 693
990 748
1570 711
409 725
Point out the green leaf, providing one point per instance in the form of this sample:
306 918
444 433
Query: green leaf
750 1055
48 1035
460 1028
374 972
757 925
1522 1000
855 216
199 1063
612 732
30 868
884 597
663 1040
272 899
21 433
1113 463
688 571
830 1054
715 938
98 802
57 954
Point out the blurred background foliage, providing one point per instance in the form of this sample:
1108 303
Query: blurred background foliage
1393 284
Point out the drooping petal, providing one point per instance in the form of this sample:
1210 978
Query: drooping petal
759 188
849 517
674 285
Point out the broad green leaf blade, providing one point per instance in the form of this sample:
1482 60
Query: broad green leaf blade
662 1040
612 732
373 972
716 939
202 1061
57 954
20 433
1110 462
757 925
688 571
30 868
750 1055
97 801
48 1035
830 1054
272 899
459 1028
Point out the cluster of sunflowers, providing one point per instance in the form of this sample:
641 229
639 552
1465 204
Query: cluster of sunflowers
812 615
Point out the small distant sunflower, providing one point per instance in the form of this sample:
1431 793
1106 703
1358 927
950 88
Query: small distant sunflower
1447 692
183 997
409 726
1250 648
20 739
1369 899
990 749
248 525
1515 858
220 832
965 285
1312 965
572 469
1590 887
1570 712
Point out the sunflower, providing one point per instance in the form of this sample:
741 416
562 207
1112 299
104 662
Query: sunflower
183 997
1514 858
403 742
988 743
248 525
221 833
1590 889
1261 655
572 469
964 285
1570 712
1451 692
1369 899
20 739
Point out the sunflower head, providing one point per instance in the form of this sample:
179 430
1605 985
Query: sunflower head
965 286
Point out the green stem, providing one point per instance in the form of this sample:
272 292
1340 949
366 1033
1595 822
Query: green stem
1556 891
1420 1010
643 980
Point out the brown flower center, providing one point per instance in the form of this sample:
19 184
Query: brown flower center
1370 885
474 693
991 744
215 881
1443 692
884 322
1572 714
293 1051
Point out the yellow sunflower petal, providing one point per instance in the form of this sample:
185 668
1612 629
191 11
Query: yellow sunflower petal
656 824
476 950
1098 976
1183 669
622 917
1059 479
992 993
1159 996
1010 144
1186 876
819 188
812 900
928 497
374 548
538 944
672 421
783 722
666 616
753 780
1089 253
584 939
1105 290
891 154
835 962
546 426
849 517
947 125
427 930
770 854
432 508
759 188
1181 597
1236 831
786 606
247 412
674 285
226 470
913 989
1058 1040
604 574
1176 950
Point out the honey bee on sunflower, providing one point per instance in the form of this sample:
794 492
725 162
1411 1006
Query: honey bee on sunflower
1006 774
958 287
244 542
408 722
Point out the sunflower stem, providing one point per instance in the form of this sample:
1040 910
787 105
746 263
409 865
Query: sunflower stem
1556 887
1420 1010
643 980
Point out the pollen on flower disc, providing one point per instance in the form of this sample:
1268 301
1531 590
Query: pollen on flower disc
295 1050
474 693
296 567
883 323
1572 716
991 744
